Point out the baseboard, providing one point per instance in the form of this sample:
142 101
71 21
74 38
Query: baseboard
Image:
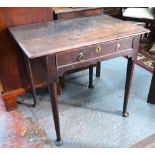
1 88
10 98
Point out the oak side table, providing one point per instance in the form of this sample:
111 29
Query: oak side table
69 44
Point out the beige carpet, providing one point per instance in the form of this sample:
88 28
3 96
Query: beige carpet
148 142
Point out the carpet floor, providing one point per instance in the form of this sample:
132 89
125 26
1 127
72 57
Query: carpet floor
88 117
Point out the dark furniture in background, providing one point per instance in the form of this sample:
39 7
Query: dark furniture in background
72 12
13 76
151 96
147 16
64 53
143 15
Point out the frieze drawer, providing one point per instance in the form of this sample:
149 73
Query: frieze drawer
97 50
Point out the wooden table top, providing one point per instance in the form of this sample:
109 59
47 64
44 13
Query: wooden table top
42 39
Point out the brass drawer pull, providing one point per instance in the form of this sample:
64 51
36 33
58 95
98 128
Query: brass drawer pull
118 46
80 56
98 49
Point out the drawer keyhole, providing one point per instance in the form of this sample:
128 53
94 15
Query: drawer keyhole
98 49
118 46
80 56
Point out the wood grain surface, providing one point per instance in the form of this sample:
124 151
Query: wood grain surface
48 38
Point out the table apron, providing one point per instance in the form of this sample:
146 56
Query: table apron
92 61
93 51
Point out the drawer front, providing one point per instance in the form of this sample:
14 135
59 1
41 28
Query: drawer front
94 51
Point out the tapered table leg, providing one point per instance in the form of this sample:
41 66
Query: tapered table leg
30 76
53 97
151 95
32 84
91 77
98 69
129 75
62 81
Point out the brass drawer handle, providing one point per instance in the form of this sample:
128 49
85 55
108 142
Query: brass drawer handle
80 56
118 46
98 49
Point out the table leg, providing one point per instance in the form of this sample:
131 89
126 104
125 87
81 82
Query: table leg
62 81
98 69
129 75
53 97
32 83
30 76
91 77
151 96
